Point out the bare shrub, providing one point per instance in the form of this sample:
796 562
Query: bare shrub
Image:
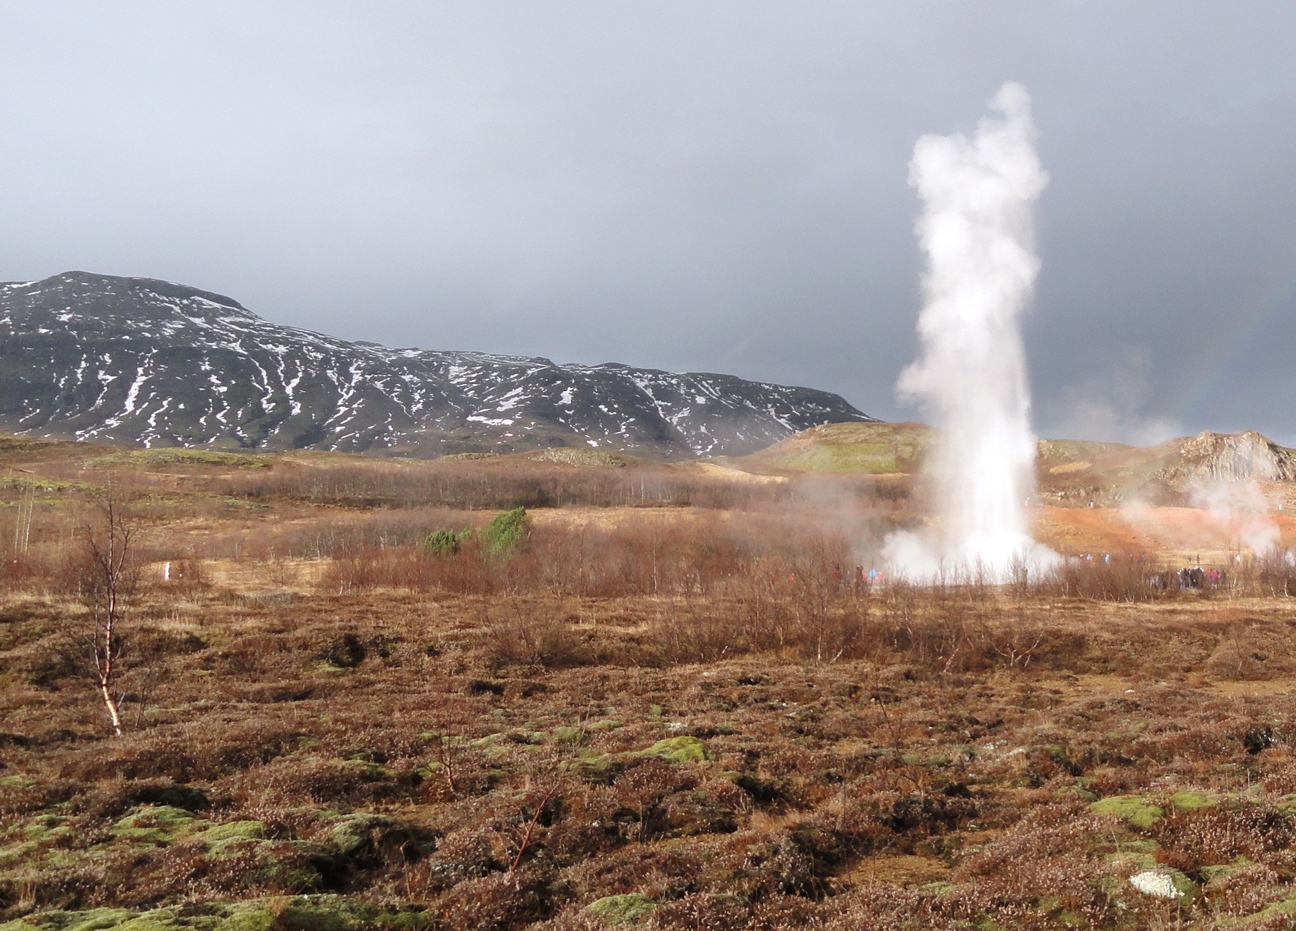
534 635
1129 577
105 577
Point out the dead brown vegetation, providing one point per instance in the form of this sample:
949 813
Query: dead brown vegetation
707 711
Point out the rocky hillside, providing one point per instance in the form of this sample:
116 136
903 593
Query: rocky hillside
1068 472
143 361
1231 457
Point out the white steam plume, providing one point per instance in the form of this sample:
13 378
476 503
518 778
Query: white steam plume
970 377
1240 511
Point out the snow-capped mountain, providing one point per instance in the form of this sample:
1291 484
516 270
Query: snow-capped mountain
144 361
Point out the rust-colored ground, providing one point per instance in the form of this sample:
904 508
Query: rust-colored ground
1171 534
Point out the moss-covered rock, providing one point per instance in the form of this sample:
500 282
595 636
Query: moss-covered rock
601 767
1285 908
243 830
156 825
596 767
568 736
1191 801
679 750
1287 804
369 839
1137 810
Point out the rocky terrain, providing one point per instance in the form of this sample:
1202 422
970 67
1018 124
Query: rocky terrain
149 362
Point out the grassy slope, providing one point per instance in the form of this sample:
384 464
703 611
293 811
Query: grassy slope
873 448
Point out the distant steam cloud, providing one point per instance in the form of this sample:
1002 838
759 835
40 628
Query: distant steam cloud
1227 485
970 377
1241 512
1109 405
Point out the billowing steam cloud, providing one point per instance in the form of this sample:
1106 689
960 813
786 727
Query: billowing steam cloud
1240 511
970 378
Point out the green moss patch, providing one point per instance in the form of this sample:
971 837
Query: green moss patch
1135 809
617 911
1191 801
1284 909
291 913
242 830
601 766
679 750
570 736
157 825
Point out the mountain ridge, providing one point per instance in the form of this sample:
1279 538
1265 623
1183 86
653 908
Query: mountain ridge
152 362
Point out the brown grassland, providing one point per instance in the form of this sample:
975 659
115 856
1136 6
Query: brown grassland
670 704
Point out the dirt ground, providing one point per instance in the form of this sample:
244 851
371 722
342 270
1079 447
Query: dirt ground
1173 536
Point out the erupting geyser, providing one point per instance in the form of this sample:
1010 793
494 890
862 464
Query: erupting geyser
970 377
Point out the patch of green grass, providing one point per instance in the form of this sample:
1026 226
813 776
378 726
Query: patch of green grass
678 750
16 853
1135 809
1191 801
172 456
877 449
617 911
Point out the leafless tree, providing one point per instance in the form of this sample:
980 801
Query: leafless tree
107 584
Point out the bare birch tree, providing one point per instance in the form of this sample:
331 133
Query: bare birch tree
107 585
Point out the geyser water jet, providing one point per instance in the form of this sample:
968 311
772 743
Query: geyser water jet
970 376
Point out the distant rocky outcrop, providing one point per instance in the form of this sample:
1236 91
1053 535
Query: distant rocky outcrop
1231 457
136 360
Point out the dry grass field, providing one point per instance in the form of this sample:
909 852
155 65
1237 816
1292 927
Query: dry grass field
667 703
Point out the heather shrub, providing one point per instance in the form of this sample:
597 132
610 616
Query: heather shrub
532 635
500 901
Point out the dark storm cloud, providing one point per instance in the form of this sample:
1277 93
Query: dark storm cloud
690 186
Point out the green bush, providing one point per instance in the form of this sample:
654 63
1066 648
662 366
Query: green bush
447 542
506 532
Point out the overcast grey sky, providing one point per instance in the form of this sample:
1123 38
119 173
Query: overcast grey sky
688 186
